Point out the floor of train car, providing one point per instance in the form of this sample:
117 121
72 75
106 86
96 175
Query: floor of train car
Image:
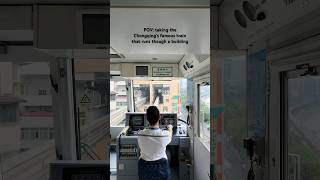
113 167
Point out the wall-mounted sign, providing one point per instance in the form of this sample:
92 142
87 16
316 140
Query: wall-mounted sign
162 72
160 30
161 36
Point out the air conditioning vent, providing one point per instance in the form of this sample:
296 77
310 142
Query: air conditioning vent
202 57
114 54
289 2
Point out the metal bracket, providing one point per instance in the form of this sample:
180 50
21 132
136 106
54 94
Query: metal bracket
311 71
54 85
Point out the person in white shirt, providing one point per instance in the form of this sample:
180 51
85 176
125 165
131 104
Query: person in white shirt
153 162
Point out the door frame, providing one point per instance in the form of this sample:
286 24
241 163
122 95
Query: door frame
196 85
285 77
281 63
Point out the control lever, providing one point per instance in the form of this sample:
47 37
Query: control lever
189 109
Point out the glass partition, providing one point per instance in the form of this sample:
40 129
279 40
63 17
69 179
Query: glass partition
92 100
26 121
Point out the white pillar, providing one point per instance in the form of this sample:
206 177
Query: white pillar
63 108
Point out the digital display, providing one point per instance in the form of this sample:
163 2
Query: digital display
96 28
142 70
167 119
136 120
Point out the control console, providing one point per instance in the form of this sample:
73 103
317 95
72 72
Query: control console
128 151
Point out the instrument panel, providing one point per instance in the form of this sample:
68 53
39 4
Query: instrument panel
168 118
139 120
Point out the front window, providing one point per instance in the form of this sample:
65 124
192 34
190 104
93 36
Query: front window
167 95
204 112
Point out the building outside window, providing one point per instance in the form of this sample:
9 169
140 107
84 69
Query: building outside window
167 95
204 113
118 102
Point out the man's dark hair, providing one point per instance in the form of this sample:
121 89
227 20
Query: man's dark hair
153 115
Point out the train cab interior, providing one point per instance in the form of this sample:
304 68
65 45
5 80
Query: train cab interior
167 85
237 79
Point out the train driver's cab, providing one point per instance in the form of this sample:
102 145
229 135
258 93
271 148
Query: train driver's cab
137 85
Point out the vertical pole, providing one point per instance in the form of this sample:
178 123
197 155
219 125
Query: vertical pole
63 108
215 94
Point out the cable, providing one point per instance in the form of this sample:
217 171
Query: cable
251 175
183 121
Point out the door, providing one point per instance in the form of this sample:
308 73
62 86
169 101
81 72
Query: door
300 130
92 100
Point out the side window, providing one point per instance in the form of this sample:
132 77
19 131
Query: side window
26 120
118 102
204 112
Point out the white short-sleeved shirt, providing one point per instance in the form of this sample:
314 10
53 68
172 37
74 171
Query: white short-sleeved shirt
153 143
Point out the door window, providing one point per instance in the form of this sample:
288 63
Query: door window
303 112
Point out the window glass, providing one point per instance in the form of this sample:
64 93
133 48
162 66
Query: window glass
234 127
118 102
26 120
167 95
92 100
304 128
204 112
141 96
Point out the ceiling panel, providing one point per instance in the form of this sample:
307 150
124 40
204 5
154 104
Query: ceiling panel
160 3
145 58
55 1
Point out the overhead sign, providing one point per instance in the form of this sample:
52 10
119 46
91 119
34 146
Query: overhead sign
160 30
162 71
161 36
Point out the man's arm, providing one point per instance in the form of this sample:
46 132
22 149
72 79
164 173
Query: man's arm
170 127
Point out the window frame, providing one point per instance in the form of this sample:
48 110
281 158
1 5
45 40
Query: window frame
283 60
128 94
284 134
163 80
197 83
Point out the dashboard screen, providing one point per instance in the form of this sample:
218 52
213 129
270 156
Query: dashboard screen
167 119
136 120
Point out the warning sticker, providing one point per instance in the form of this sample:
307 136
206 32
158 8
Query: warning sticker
85 99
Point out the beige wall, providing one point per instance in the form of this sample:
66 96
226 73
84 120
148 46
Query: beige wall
91 65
